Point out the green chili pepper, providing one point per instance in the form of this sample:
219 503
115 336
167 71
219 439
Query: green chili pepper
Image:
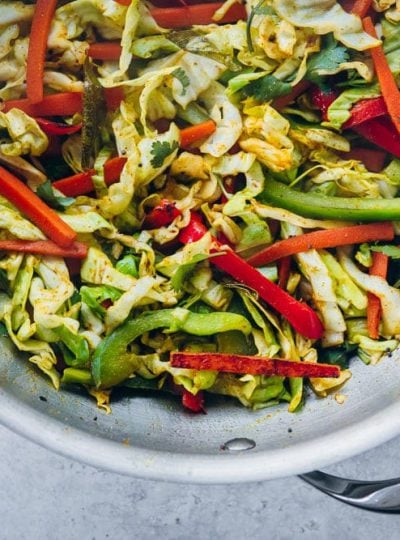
111 364
320 206
76 376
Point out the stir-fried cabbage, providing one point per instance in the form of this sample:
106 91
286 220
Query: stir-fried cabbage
191 131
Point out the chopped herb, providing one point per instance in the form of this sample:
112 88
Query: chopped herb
266 88
46 192
327 60
338 356
160 151
182 77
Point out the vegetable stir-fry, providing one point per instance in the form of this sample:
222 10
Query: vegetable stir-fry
200 198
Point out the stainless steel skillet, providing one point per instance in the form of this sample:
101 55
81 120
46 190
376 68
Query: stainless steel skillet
152 437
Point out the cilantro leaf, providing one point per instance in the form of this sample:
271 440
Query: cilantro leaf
160 151
328 60
46 193
266 88
339 356
182 77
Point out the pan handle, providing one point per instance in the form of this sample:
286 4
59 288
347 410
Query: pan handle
378 496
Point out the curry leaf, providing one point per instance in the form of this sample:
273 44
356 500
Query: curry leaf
94 114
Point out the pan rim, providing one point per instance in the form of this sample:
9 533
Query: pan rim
220 468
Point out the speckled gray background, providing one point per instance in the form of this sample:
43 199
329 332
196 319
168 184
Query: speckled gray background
46 496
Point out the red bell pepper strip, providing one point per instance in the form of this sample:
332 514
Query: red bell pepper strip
386 79
379 267
62 104
57 128
374 160
323 100
194 231
361 7
284 267
114 96
283 101
77 250
41 22
108 50
300 315
365 110
161 215
194 403
381 131
35 209
82 183
252 365
178 17
329 238
196 133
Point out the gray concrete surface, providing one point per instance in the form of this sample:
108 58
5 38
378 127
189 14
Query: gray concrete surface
46 496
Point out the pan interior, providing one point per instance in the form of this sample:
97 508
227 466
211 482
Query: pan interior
149 422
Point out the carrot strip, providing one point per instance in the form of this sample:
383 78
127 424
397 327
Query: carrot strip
62 104
42 17
361 7
77 250
110 50
284 271
379 267
82 183
178 17
35 209
342 236
196 133
386 79
232 363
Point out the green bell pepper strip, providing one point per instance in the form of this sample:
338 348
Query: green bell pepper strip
111 364
76 344
77 376
317 206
